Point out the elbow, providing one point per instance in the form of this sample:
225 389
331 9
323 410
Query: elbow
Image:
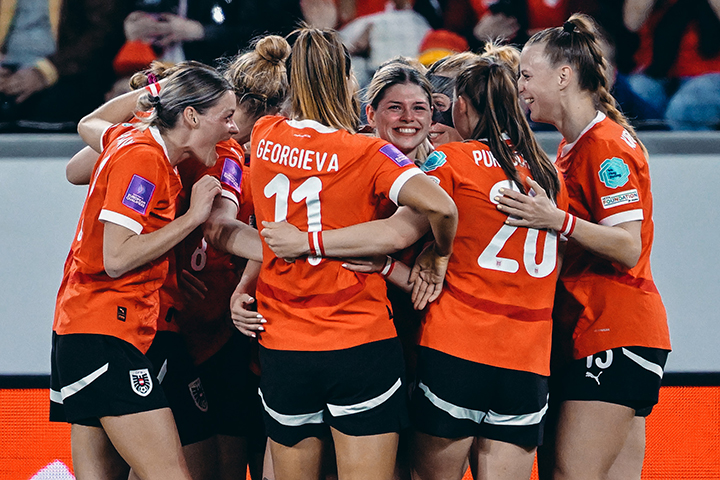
631 258
114 267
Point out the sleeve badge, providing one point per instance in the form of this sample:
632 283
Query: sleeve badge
614 172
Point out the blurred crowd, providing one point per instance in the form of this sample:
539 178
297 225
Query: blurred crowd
59 59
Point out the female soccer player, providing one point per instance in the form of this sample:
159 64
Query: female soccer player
328 352
611 327
108 302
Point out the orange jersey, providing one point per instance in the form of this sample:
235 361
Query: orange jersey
205 323
135 186
604 305
496 306
319 178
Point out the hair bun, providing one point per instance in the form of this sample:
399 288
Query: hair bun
273 48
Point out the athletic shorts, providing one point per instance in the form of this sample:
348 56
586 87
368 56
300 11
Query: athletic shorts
232 390
357 391
456 398
629 376
180 380
95 376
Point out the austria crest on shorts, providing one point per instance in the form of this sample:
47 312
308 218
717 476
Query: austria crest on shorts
198 394
141 382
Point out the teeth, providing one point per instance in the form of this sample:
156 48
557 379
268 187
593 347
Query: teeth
528 100
406 130
434 134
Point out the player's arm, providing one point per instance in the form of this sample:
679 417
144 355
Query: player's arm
620 243
119 109
248 322
78 170
225 232
378 237
124 250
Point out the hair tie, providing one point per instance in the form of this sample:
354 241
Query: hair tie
153 88
568 27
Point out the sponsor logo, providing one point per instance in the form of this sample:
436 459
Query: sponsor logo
121 313
434 161
622 198
141 382
231 174
594 377
614 172
198 394
395 155
138 194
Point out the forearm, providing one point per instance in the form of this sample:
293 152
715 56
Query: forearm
79 169
224 232
117 110
620 243
124 250
399 276
248 280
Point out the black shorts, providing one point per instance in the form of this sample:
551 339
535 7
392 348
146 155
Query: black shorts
232 390
95 376
357 391
180 380
629 376
457 398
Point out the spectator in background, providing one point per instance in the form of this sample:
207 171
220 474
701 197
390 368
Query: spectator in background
439 44
678 60
374 39
47 88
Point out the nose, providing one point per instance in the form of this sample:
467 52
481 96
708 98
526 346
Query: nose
233 128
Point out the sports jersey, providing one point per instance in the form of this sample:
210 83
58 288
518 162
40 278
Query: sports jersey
319 178
496 305
204 323
133 185
603 304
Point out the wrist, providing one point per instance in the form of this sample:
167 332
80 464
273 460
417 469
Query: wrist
388 267
568 225
315 243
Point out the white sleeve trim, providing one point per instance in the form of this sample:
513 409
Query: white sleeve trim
400 181
102 146
119 219
622 217
230 196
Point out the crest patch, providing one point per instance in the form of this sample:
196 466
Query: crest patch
198 394
141 382
614 172
434 161
138 194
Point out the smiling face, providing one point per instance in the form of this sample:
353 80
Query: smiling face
403 116
538 84
213 126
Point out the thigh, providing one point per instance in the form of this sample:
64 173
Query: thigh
94 456
590 436
436 457
629 462
498 460
302 461
368 456
149 443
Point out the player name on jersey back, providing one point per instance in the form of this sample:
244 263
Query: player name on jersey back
300 158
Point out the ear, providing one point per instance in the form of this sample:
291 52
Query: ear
461 105
565 74
190 115
370 114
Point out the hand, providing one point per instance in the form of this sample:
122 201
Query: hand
366 264
23 83
285 240
361 45
496 25
320 13
245 320
427 276
203 194
533 211
193 289
145 27
179 30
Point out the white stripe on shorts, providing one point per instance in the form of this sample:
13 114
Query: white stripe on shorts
73 388
646 364
163 371
477 416
291 420
342 410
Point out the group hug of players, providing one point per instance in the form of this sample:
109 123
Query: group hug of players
421 364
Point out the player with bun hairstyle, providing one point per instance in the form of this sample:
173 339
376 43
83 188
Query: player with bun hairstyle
611 333
330 359
108 303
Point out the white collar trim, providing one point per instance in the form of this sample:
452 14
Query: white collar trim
317 126
598 118
158 138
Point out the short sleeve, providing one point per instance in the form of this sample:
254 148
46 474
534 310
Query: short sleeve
614 180
136 188
392 169
438 169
